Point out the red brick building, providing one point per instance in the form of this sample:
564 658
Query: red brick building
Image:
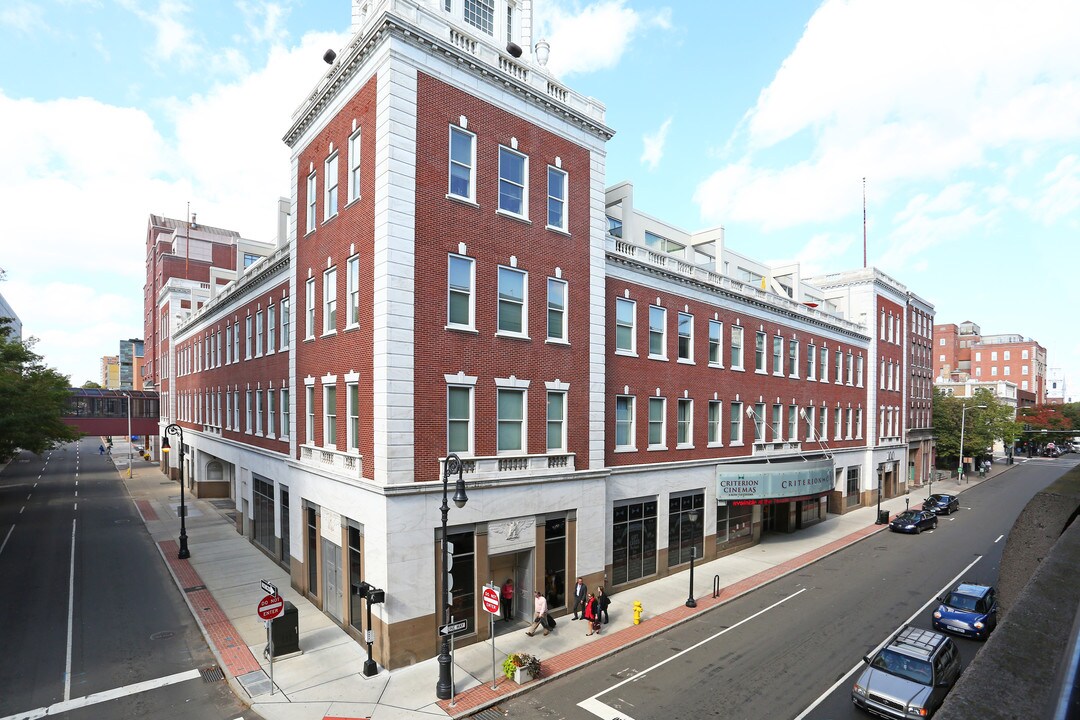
962 353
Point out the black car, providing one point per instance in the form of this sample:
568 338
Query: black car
941 504
914 521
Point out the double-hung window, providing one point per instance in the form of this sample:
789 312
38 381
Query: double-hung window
793 423
354 165
716 340
824 364
286 415
657 332
625 311
271 412
686 337
459 418
777 355
624 422
809 417
512 299
459 301
352 287
248 344
258 334
228 343
556 310
311 198
736 348
330 301
271 328
513 182
777 422
847 423
759 422
735 431
285 324
793 358
811 362
849 367
511 420
309 309
838 358
309 421
684 430
759 353
859 371
556 421
462 163
329 416
823 423
258 411
556 204
716 416
352 412
657 412
330 203
837 421
247 414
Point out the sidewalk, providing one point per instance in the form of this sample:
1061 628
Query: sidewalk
221 584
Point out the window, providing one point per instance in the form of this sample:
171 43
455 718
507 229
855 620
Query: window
258 412
481 15
228 410
556 310
247 413
1007 369
462 163
858 422
759 353
248 344
228 344
311 189
624 325
778 355
352 290
823 424
824 364
811 362
352 413
993 356
793 423
354 165
716 333
838 367
556 204
555 561
809 417
735 430
633 541
271 328
686 337
285 415
684 430
512 316
271 412
309 310
556 421
1023 369
511 420
258 334
657 328
285 324
460 295
837 425
716 408
656 423
1006 355
777 421
330 204
847 423
849 366
993 371
1023 384
330 301
978 357
942 342
459 406
736 347
793 358
462 572
685 538
1023 353
624 422
262 521
513 178
236 410
329 416
356 571
310 425
859 371
733 522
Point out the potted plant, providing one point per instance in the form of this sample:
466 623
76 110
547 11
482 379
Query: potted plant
521 667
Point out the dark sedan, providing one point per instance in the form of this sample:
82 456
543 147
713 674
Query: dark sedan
941 504
914 521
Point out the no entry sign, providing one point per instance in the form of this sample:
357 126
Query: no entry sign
491 600
270 607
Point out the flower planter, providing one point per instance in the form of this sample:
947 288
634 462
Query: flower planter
522 676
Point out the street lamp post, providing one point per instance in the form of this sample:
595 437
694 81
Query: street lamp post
692 516
444 690
963 418
175 429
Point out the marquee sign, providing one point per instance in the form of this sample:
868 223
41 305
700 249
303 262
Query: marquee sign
759 483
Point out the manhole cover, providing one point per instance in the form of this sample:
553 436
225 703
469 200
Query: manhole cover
164 635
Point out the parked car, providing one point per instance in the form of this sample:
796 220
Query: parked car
969 610
910 676
913 521
1051 452
941 504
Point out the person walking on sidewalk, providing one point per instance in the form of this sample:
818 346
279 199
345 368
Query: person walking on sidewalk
592 614
602 602
540 618
580 592
506 598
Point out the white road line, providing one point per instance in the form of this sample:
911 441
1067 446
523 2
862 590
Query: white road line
4 545
889 637
71 615
21 509
609 713
998 539
105 696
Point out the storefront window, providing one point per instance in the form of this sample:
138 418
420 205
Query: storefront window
852 486
263 513
313 551
633 541
685 536
462 570
555 562
356 603
283 511
733 522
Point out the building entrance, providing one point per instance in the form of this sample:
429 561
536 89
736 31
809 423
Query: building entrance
519 566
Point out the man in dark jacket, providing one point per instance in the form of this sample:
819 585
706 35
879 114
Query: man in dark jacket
580 593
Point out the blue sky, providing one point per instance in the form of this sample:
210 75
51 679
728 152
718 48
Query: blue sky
963 116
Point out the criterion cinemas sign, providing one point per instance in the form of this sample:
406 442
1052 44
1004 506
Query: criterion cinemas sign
759 481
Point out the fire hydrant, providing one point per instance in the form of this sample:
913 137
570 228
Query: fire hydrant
637 612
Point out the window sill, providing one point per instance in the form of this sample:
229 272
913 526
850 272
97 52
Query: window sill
463 200
559 230
557 341
718 366
656 448
461 328
511 336
662 358
352 201
738 443
513 216
737 369
684 361
715 445
625 449
325 220
625 353
684 446
329 333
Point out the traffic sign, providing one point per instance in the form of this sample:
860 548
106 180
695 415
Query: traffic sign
491 599
269 588
270 607
451 628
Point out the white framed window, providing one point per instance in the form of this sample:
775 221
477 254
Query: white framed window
793 358
838 360
352 289
811 362
847 423
837 433
684 422
228 344
849 367
286 415
309 309
735 424
513 289
556 310
462 164
993 356
1006 355
309 424
271 412
352 414
823 423
330 301
1023 353
228 410
460 301
258 334
777 422
329 416
513 182
248 344
657 423
793 423
686 337
978 356
858 423
859 371
777 355
285 324
258 411
271 328
330 202
736 348
1023 369
657 332
809 418
354 165
1023 384
312 189
716 419
624 422
993 371
556 421
459 419
823 364
716 343
247 414
759 422
556 200
625 326
236 411
510 408
759 353
481 15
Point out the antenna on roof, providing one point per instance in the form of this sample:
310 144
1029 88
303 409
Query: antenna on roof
864 222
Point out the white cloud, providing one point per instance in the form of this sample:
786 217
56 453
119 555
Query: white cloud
594 37
175 41
653 143
1060 191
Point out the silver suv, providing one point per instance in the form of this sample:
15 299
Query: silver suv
910 676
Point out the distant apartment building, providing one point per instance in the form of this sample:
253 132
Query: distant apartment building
14 323
131 361
110 372
962 353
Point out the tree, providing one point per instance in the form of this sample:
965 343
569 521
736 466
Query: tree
1046 424
32 399
91 385
981 428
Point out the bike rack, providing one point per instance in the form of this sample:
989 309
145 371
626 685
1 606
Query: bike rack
716 586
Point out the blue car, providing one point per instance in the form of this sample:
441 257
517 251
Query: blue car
969 610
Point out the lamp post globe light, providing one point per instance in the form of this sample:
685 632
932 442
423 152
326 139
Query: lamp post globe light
175 429
692 516
963 418
444 690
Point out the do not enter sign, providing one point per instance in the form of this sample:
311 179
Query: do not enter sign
491 600
270 607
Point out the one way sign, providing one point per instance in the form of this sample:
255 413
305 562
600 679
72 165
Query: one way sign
451 628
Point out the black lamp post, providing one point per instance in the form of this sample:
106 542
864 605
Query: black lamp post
175 429
372 595
692 516
444 690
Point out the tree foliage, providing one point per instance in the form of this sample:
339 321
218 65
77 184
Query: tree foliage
1047 423
32 399
91 385
980 428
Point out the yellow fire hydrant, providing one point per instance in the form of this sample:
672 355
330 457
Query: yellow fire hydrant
637 612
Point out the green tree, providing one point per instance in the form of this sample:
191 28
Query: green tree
32 399
91 385
981 426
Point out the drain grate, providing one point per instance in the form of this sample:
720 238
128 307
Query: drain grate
492 713
212 674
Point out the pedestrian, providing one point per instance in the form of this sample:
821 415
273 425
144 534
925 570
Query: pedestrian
580 592
602 602
540 616
592 614
100 449
506 598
